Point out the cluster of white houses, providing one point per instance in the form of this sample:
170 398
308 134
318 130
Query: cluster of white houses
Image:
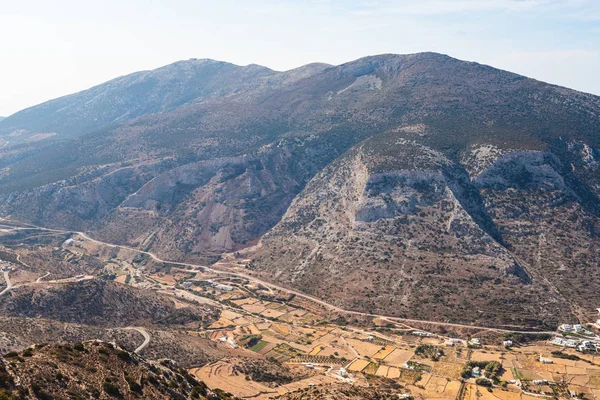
421 334
574 329
225 288
583 346
576 340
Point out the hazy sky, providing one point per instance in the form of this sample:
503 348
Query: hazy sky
52 48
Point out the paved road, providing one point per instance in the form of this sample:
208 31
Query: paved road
146 335
9 284
284 289
69 280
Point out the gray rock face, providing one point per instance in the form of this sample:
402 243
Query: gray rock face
400 193
522 169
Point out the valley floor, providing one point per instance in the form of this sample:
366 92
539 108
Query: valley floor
313 342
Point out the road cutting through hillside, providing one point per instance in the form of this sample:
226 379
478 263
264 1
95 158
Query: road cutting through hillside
144 333
9 284
281 288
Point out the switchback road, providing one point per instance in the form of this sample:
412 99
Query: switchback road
281 288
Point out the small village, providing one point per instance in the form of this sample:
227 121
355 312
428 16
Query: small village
322 347
578 337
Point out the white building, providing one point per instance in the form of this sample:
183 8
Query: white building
545 360
508 343
420 333
232 343
566 328
571 343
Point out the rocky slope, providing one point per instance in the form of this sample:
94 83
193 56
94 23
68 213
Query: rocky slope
402 228
101 303
181 84
19 332
412 185
96 370
337 392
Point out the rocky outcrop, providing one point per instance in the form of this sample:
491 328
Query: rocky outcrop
95 369
392 242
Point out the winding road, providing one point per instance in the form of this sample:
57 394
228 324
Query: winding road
144 333
9 284
281 288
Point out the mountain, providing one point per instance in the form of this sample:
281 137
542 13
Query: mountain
147 92
96 370
409 185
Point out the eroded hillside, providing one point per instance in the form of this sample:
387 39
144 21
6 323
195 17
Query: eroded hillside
413 185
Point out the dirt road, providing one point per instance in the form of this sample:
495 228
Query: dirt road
284 289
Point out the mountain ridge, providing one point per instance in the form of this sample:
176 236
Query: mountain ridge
391 171
16 122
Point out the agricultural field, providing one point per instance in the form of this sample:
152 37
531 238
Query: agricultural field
274 331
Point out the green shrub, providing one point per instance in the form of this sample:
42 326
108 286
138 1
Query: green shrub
79 347
123 355
483 382
133 385
111 389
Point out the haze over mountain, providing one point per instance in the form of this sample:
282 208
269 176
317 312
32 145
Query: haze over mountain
409 185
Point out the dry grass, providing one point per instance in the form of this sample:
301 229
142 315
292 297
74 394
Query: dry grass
398 357
358 365
365 349
383 353
450 370
478 355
